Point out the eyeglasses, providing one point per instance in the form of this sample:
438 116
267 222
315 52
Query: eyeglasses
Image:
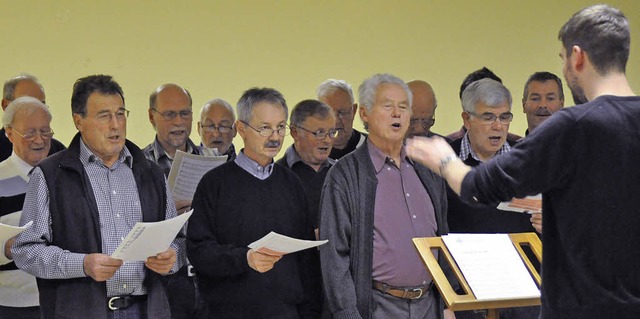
321 134
265 131
426 123
171 115
490 118
343 114
211 128
31 135
106 116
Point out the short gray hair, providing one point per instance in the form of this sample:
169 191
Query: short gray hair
10 86
331 85
368 88
487 91
25 104
217 101
309 108
255 95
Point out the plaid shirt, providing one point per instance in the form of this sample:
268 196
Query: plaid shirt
466 150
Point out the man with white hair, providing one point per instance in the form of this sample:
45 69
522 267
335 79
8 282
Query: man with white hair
22 85
339 96
374 201
27 124
217 129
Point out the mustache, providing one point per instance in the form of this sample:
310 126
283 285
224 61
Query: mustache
273 144
543 111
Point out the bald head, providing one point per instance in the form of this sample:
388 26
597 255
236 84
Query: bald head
423 108
23 85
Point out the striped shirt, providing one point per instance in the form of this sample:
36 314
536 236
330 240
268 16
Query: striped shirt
116 195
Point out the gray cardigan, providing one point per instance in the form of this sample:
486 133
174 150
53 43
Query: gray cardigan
347 205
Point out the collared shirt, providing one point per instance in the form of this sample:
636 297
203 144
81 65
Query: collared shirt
466 150
155 153
292 157
251 166
22 168
231 152
118 202
403 210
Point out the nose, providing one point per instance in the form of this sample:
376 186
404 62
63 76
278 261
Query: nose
497 125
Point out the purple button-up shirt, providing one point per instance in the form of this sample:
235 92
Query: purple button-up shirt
403 210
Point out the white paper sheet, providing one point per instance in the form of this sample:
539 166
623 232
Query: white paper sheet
529 205
12 186
187 171
283 244
492 266
148 239
8 231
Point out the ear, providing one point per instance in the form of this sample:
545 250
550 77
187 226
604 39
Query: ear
363 114
5 103
578 58
199 129
151 120
241 129
523 109
465 120
355 108
78 121
9 134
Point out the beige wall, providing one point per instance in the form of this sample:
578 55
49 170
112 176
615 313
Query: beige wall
220 48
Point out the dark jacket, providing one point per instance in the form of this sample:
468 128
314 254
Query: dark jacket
76 227
347 206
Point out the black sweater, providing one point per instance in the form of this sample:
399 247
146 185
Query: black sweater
232 208
584 162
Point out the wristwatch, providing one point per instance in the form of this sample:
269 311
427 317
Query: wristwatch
446 160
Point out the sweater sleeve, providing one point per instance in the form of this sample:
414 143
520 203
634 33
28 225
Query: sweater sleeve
543 160
335 225
203 248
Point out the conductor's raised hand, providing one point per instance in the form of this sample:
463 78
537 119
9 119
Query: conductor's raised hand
100 267
429 151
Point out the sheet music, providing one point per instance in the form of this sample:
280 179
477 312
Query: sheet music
491 265
12 186
148 239
187 171
8 231
529 204
283 244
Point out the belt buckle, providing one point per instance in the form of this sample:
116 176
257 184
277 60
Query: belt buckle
420 292
190 271
111 300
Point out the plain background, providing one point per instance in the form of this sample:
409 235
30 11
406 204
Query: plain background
221 48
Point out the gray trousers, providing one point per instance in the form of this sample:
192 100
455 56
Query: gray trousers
388 306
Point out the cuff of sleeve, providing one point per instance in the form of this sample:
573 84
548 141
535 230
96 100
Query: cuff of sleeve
73 265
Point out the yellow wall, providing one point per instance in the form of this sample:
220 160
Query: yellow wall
220 48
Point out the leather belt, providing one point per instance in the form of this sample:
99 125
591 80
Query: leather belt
404 293
191 271
122 302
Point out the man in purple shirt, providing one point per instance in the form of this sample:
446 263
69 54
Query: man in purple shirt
374 201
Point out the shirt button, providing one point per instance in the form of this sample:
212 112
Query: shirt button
121 238
124 286
414 216
408 195
114 192
388 168
118 215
